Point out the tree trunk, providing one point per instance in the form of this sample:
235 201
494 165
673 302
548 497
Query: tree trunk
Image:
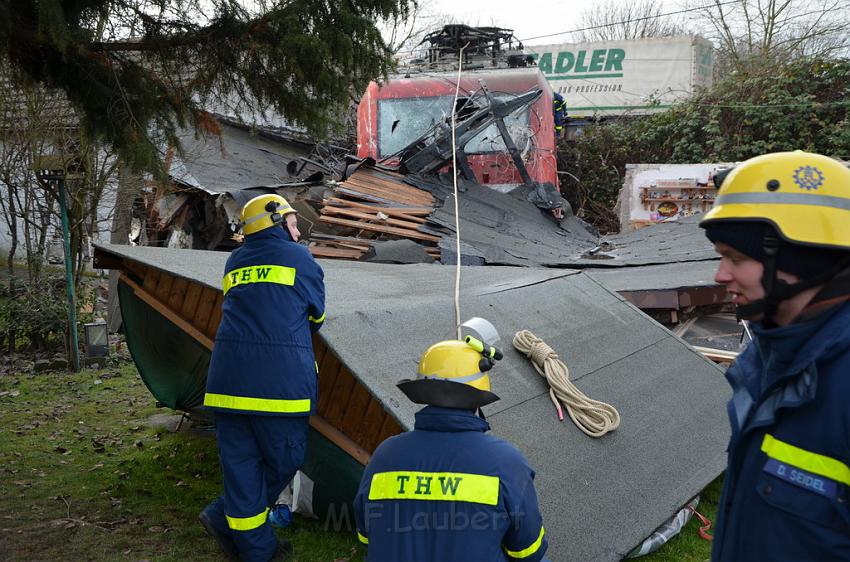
129 187
12 222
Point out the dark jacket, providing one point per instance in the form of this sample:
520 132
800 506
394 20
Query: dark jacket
785 494
263 361
447 492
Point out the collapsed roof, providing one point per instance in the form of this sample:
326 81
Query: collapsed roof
599 497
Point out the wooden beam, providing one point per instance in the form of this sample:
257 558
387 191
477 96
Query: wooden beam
371 217
339 439
178 320
326 252
403 232
318 423
717 355
424 211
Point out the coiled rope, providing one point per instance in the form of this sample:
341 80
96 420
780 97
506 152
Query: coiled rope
593 417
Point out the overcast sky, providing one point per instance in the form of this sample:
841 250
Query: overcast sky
528 18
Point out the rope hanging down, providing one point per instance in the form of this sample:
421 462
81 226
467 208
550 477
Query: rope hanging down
593 417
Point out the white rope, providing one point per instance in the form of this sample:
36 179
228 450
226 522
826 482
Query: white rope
593 417
454 176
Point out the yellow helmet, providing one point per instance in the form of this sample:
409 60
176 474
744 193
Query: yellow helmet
453 374
262 212
805 196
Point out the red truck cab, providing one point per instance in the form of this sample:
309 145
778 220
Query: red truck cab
397 112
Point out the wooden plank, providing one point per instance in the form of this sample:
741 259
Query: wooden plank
373 211
190 304
177 293
151 280
136 268
392 189
394 192
370 217
328 373
685 326
717 355
107 260
373 421
164 287
340 395
364 247
167 312
378 177
339 439
205 308
215 316
418 212
381 228
423 211
319 351
389 428
366 197
320 237
355 410
326 252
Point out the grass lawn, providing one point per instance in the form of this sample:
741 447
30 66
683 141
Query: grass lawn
688 546
84 477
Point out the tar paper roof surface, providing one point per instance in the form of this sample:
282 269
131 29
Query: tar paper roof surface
600 497
236 160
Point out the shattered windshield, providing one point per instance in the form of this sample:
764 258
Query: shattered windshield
403 120
491 141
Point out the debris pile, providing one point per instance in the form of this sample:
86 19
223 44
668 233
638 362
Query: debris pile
372 203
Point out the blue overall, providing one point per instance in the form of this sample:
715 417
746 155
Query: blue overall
559 109
262 381
785 494
448 492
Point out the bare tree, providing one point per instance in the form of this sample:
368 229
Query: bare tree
34 124
612 20
753 34
403 33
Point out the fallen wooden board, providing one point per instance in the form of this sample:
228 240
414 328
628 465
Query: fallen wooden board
370 217
717 355
424 211
381 228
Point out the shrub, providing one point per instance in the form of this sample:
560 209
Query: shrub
34 314
805 105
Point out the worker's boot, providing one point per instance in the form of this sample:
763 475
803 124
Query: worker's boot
225 542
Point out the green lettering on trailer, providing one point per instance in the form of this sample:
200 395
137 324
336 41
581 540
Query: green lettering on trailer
564 62
545 63
614 60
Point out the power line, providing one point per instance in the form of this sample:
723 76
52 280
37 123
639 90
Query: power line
601 26
632 20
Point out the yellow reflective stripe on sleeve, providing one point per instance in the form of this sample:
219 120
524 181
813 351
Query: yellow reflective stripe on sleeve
361 538
247 523
258 274
808 461
279 406
444 486
526 552
317 320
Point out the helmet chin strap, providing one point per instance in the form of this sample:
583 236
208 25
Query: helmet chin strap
777 290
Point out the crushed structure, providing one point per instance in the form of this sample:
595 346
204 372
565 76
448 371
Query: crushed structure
599 497
394 203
